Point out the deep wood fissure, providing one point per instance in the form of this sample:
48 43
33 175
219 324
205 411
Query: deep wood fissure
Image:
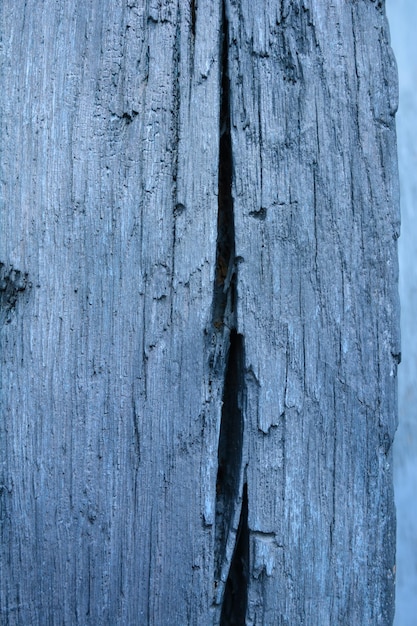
231 556
235 599
229 462
224 296
193 15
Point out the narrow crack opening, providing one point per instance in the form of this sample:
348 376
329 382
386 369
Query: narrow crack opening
231 558
235 599
224 285
229 450
193 15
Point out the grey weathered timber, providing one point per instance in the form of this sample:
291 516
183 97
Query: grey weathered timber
199 340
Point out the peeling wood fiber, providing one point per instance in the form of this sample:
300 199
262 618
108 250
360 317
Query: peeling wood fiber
199 312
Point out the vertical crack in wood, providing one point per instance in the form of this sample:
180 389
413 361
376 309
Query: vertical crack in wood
225 279
231 523
235 598
229 455
193 15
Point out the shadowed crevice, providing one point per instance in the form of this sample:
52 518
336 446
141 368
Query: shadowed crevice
229 461
225 278
193 15
231 535
235 600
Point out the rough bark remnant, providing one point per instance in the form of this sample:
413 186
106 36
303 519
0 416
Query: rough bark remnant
198 391
12 282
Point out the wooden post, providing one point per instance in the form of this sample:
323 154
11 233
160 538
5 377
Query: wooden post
199 340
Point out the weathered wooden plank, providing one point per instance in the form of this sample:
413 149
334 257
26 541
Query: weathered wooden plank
199 312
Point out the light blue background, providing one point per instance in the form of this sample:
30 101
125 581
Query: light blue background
402 15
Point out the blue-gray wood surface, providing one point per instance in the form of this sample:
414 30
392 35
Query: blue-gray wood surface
199 312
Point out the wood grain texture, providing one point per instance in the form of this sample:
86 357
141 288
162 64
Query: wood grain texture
199 312
314 148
